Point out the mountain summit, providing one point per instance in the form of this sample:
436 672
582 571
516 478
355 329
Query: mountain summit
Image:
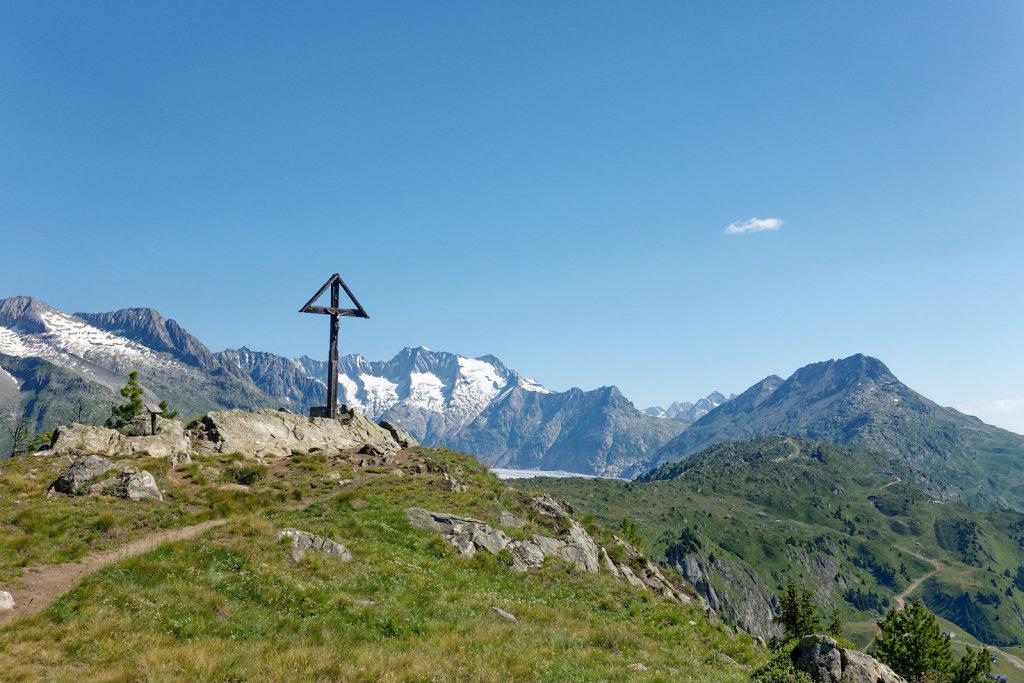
858 401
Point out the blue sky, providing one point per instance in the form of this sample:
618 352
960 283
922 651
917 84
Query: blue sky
551 183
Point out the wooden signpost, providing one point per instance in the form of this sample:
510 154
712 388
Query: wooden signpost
336 284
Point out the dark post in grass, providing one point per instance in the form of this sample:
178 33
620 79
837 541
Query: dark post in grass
336 284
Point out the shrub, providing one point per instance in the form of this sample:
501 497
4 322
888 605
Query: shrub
246 475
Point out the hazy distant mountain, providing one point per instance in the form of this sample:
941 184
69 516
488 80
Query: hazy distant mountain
858 401
691 412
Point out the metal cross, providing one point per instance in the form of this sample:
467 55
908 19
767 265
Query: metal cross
336 284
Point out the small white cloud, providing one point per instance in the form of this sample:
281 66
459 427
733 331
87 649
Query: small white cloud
754 225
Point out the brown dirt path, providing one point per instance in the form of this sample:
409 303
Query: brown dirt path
45 583
899 599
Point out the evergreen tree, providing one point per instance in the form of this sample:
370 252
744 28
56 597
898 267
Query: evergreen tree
973 667
797 613
911 643
630 533
168 414
835 624
123 414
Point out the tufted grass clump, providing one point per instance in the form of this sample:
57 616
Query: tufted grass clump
245 474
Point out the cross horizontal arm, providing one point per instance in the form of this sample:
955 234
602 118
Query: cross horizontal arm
330 310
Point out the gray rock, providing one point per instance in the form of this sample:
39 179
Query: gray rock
450 483
272 432
169 440
546 505
637 667
138 485
575 547
74 479
504 615
828 662
303 542
402 437
467 535
525 555
179 460
508 519
608 564
6 601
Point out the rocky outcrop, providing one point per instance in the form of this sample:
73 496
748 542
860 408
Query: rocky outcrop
73 480
304 542
733 590
128 482
272 432
576 546
402 437
826 661
169 440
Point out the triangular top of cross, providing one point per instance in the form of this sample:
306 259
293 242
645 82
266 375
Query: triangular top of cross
357 312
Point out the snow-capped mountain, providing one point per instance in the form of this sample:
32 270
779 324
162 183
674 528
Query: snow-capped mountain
433 394
52 361
691 412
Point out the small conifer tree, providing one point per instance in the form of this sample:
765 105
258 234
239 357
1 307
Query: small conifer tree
123 414
630 533
911 643
797 614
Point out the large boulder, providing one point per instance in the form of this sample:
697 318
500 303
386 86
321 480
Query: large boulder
169 440
274 432
576 546
127 482
829 662
73 480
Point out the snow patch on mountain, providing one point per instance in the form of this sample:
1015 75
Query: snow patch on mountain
478 383
425 391
530 384
12 344
379 394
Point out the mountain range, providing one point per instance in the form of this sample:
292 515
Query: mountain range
58 367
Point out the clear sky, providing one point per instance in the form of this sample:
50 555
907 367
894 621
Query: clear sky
549 182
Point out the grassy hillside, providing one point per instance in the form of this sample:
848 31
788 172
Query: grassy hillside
232 605
843 520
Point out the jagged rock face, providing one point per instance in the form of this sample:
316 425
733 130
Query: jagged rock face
828 662
169 440
749 602
404 438
304 542
270 432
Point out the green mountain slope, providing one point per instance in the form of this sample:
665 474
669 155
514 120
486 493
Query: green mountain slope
858 401
737 519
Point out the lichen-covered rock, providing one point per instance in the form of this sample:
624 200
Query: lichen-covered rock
304 542
6 601
506 518
828 662
271 432
74 479
179 460
525 555
136 485
169 440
